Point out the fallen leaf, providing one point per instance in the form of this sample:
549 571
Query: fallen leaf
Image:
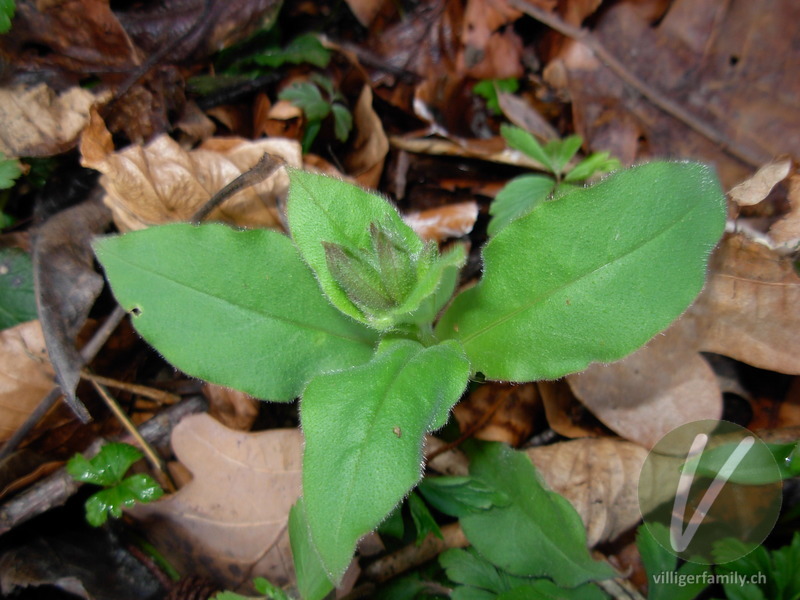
599 477
501 412
364 160
565 414
786 231
26 375
445 222
161 182
67 285
234 409
667 378
756 188
230 522
366 10
747 310
38 122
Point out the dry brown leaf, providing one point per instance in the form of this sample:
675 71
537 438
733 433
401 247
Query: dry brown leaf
38 122
667 378
748 310
26 374
756 188
565 414
786 231
161 182
230 522
365 159
366 10
444 222
232 408
501 412
599 477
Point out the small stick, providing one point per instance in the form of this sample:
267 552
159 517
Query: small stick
152 456
265 167
666 104
88 352
158 396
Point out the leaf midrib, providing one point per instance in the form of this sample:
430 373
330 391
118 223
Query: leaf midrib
545 296
228 303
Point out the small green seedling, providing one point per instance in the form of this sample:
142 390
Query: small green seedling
264 588
522 194
107 469
488 89
309 97
356 314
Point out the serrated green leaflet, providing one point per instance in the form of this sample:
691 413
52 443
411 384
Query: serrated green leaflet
364 429
136 488
17 298
10 169
538 534
107 467
591 275
238 308
325 213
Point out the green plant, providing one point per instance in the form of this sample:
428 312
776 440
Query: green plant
107 469
488 89
761 574
7 10
685 583
344 314
262 586
522 194
308 96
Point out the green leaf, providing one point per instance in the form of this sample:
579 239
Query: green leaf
304 48
762 464
364 428
17 298
342 121
458 496
423 519
368 232
562 151
591 275
538 534
660 563
136 488
772 575
521 140
266 588
488 89
517 198
308 98
238 308
10 168
312 581
107 467
599 162
543 589
467 568
7 10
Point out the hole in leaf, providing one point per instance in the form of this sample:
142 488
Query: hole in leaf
136 311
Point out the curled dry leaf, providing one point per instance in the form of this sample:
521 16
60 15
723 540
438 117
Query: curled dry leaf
444 222
565 414
667 378
232 408
230 522
786 231
365 159
26 374
161 182
39 122
501 412
756 188
599 477
365 10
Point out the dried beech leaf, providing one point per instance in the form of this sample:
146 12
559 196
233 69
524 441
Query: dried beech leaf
508 412
26 375
786 231
748 310
161 182
230 522
365 160
232 408
599 477
37 122
667 378
565 414
756 188
365 10
444 222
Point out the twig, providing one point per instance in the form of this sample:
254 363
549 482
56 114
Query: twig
160 397
669 106
265 167
57 488
88 352
412 555
152 456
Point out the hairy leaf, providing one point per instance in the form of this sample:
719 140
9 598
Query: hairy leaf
237 308
312 582
517 198
591 275
538 533
364 428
